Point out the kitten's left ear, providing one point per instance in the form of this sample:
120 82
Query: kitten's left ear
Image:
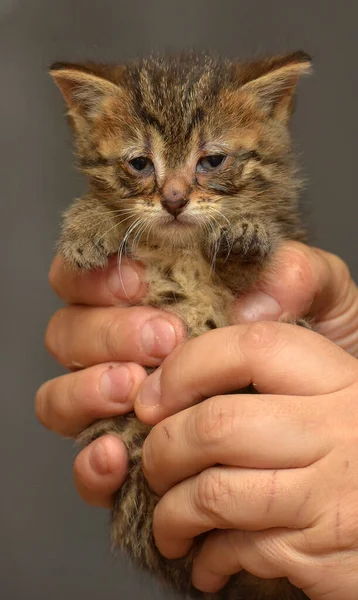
273 83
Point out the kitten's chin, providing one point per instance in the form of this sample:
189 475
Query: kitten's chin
177 230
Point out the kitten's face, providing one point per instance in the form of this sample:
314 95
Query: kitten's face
179 147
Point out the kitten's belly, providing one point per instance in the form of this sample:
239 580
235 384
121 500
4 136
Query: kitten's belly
190 289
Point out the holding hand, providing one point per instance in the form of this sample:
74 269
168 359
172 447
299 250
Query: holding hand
298 442
273 476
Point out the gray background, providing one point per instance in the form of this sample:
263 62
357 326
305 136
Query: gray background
51 544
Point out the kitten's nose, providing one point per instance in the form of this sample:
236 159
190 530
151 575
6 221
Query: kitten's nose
175 196
174 207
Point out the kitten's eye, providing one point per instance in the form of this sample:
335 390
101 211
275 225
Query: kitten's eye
141 163
208 163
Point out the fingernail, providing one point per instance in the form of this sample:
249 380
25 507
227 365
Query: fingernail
258 306
98 459
158 338
149 394
124 282
115 384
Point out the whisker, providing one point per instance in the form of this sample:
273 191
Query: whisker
150 229
136 238
111 228
216 248
121 250
218 211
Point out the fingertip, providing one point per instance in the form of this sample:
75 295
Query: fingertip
150 415
54 275
208 582
125 281
256 306
115 284
147 403
100 470
287 289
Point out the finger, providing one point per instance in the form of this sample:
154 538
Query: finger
277 358
113 285
70 403
305 281
238 431
275 553
222 556
100 470
231 498
300 279
85 336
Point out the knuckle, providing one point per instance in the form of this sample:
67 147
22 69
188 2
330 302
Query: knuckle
148 458
83 395
162 513
213 494
213 422
156 455
345 526
334 263
174 363
298 268
262 336
341 266
109 336
339 272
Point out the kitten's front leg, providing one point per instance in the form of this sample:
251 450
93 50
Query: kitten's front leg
240 251
249 239
90 233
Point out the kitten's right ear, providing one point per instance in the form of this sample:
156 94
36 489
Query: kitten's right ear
273 82
83 91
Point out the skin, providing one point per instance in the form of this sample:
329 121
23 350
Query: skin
279 509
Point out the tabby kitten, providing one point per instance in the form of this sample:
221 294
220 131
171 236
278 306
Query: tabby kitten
191 172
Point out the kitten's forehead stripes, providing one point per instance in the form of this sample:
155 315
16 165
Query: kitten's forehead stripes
152 120
196 120
169 95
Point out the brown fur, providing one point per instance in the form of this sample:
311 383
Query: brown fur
175 112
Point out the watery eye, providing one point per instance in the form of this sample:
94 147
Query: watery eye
141 163
211 162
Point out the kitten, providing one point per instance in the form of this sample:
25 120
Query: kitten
190 171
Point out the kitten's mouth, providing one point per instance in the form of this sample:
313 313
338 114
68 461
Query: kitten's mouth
181 220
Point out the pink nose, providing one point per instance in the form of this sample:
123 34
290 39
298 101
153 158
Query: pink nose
174 207
175 196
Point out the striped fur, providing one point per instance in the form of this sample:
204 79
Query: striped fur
175 112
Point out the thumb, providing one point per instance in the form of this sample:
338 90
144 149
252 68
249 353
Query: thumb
303 281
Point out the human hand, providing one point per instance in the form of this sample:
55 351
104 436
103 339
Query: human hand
110 341
98 328
272 477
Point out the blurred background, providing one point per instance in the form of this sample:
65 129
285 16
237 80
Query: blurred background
51 544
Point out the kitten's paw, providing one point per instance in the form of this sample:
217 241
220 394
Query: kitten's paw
84 253
90 234
249 240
